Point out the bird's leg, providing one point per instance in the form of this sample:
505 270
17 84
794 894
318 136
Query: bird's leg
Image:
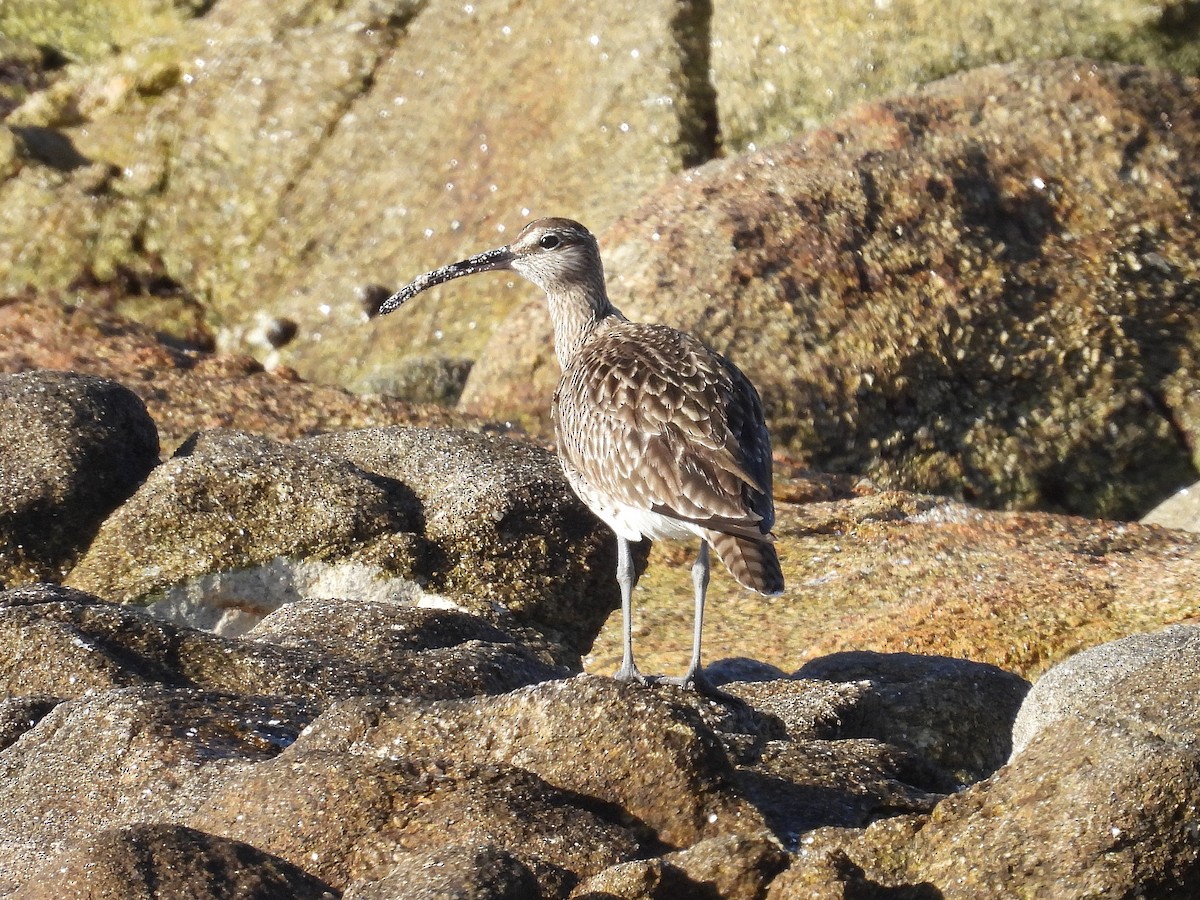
626 580
700 570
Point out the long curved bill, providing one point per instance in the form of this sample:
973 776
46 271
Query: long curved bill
499 258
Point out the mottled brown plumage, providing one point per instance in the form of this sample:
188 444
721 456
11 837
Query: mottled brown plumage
660 436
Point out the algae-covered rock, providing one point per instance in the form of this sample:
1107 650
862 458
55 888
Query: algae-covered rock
792 66
982 289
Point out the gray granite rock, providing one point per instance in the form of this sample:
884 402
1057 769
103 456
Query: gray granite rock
1181 510
234 526
1137 682
72 448
165 862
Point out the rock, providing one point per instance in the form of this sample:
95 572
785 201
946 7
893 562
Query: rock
190 390
63 643
423 379
228 502
458 872
140 754
1132 682
278 100
952 712
823 753
733 868
679 785
789 68
1091 804
1180 510
891 572
938 290
385 809
325 717
79 30
160 861
508 528
19 714
27 66
74 447
234 526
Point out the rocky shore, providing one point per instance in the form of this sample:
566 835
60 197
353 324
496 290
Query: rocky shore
275 625
350 666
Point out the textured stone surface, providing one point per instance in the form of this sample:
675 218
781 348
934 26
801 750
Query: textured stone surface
1133 683
241 125
475 872
63 643
952 712
153 862
791 66
385 808
679 784
72 447
898 573
508 528
229 501
258 174
1098 799
1180 510
235 525
734 868
189 390
980 289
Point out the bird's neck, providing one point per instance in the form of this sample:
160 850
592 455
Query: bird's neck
577 312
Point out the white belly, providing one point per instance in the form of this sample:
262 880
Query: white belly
633 523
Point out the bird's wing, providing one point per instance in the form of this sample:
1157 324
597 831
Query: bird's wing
651 417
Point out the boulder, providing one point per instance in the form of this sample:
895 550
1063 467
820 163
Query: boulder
1133 682
679 785
156 861
387 808
1180 510
189 389
1093 803
235 526
61 643
978 289
469 872
73 448
791 67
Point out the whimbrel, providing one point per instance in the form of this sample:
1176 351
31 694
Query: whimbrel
660 436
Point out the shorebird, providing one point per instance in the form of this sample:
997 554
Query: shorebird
660 436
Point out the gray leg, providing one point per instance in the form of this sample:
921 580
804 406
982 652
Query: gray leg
625 578
700 584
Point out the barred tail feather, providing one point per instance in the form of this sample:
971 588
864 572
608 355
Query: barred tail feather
753 563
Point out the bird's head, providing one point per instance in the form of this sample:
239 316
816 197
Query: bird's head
558 255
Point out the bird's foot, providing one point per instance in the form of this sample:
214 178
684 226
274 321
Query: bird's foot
696 681
629 672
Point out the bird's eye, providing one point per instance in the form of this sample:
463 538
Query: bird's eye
549 241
